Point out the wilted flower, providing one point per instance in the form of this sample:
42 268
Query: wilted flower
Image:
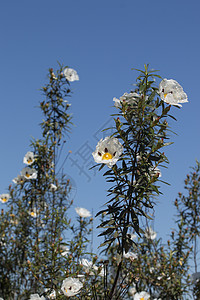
36 297
2 242
83 212
150 234
128 98
13 220
118 258
151 270
132 291
195 276
91 268
29 158
65 250
54 76
130 255
52 294
101 270
71 286
133 236
19 179
88 266
154 171
172 92
4 198
29 173
108 151
70 74
141 296
53 187
162 276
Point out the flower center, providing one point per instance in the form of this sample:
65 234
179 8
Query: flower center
27 175
29 160
107 156
164 97
4 199
32 214
142 298
70 288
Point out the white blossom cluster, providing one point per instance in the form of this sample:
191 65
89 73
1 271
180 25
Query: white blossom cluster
27 173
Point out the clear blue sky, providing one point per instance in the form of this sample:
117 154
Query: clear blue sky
102 40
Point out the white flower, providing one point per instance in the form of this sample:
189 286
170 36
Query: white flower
4 198
83 212
150 234
126 98
19 179
29 173
53 187
70 74
33 212
108 151
141 296
29 158
172 92
130 255
71 286
65 250
36 297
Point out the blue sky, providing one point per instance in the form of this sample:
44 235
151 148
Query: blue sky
102 40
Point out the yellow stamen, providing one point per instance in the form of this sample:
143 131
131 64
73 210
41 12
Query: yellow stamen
4 199
28 175
165 95
107 156
29 161
142 298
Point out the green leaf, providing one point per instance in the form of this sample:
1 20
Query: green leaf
135 221
107 232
